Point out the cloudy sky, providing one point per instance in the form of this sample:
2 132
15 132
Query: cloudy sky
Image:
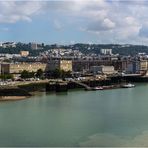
75 21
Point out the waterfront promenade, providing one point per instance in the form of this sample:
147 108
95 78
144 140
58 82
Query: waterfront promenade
24 89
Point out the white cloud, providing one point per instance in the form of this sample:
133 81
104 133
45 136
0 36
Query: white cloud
108 23
13 11
4 29
114 20
121 22
131 20
100 25
58 25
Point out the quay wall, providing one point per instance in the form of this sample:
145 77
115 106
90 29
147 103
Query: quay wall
26 89
31 87
120 79
13 92
22 90
72 85
91 83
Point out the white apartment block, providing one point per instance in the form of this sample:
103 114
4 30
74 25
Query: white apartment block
106 51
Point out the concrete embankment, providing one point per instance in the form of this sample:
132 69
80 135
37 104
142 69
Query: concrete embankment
13 93
32 87
119 79
21 90
90 83
110 82
66 85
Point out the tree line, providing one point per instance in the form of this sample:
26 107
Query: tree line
57 73
84 48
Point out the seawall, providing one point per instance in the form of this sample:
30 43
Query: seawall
13 92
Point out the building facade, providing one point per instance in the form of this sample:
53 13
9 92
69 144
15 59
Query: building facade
85 65
106 51
34 46
141 66
24 53
102 69
65 65
9 44
17 68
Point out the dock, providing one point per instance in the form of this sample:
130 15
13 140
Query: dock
87 87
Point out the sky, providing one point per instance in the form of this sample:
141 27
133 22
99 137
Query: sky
75 21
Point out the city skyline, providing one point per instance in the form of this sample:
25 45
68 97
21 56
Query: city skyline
69 22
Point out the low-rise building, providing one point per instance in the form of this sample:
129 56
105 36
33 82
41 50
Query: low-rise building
102 69
65 65
134 66
106 51
17 68
24 53
9 44
141 66
85 64
35 46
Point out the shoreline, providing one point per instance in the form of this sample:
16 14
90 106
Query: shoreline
26 90
13 98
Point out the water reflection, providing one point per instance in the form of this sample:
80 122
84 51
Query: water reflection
110 140
112 117
61 93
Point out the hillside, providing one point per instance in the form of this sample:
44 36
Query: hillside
84 48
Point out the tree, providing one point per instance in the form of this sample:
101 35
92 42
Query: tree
6 76
56 73
39 73
68 74
26 74
65 74
42 44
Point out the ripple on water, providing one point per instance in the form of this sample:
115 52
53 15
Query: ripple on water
107 140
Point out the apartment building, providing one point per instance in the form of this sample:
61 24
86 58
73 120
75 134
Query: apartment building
65 65
17 68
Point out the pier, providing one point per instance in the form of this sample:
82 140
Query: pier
61 87
129 78
87 87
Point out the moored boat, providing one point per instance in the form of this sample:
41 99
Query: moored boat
129 85
98 88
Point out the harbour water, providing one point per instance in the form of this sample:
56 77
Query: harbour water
117 117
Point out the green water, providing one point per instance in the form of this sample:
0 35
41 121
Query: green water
77 118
